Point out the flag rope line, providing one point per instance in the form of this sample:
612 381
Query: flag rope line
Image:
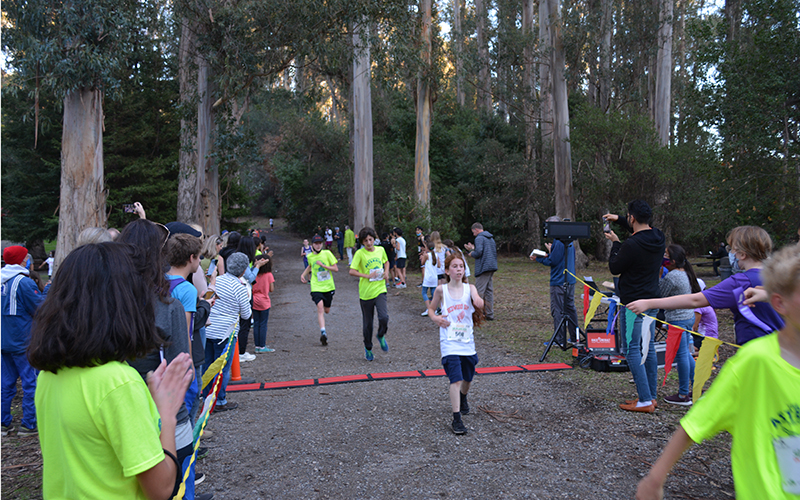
587 285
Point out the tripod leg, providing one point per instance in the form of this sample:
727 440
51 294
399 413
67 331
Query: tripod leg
561 326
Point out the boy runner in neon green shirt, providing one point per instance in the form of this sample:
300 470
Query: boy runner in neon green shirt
320 265
756 398
371 265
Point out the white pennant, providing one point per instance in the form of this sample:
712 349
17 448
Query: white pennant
647 321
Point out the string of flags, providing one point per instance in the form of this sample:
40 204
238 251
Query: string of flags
705 358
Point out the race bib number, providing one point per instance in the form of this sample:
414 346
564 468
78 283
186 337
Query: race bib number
323 275
787 451
378 274
459 332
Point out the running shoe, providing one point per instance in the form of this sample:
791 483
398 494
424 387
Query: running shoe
24 431
7 429
199 478
424 313
384 345
323 338
459 428
264 349
368 354
677 399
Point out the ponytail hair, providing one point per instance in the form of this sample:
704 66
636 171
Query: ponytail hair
678 255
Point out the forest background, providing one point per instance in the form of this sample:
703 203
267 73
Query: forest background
228 109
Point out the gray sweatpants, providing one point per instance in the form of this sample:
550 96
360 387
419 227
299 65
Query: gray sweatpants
484 285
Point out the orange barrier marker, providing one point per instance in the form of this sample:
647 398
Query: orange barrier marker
236 372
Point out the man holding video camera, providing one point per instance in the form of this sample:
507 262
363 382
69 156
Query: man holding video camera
561 302
638 263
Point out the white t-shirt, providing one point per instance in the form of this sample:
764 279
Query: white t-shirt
440 256
401 248
328 235
430 275
50 262
458 338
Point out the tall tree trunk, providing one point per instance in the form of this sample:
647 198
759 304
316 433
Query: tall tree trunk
663 108
528 83
207 173
300 78
334 116
680 28
545 86
422 169
606 30
188 196
484 98
459 51
83 198
733 14
362 127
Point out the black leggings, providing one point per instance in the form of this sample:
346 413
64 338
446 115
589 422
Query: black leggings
367 314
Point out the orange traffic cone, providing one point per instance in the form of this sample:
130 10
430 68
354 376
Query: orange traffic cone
236 372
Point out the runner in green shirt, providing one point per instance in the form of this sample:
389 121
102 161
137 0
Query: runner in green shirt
320 265
371 265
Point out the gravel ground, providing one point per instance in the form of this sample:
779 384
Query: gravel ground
531 435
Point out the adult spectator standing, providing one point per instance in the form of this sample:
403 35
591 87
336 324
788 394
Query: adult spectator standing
349 243
339 238
21 298
562 285
484 251
638 264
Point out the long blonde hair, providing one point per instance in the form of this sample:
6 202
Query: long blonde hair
437 242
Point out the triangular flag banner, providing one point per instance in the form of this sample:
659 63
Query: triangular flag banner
592 309
216 367
630 317
585 299
674 335
702 368
647 322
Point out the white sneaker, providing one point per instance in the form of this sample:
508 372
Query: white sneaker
424 313
246 357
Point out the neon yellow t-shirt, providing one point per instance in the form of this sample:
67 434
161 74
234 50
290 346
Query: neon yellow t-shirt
366 262
98 429
321 278
349 238
756 398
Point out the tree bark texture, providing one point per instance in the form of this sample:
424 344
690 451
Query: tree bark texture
606 30
459 51
528 83
484 98
188 198
663 108
83 198
362 127
562 154
546 94
422 168
207 172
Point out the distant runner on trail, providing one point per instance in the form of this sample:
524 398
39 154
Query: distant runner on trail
372 266
320 265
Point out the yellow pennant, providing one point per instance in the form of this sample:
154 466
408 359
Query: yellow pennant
593 305
702 369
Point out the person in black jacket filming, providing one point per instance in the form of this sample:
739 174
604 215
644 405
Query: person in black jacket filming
638 262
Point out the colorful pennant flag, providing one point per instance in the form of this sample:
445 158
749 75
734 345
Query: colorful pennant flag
647 332
630 317
674 335
702 368
592 309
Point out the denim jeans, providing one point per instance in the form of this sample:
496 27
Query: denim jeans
214 349
260 319
16 366
644 376
684 358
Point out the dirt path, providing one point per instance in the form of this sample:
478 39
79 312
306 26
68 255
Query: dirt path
531 435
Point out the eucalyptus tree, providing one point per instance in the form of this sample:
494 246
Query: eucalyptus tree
77 49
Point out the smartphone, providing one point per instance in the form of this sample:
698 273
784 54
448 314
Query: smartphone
128 208
209 295
606 226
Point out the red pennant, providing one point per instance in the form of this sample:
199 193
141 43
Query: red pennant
673 342
586 290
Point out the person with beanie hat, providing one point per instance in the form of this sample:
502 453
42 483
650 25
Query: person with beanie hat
20 299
